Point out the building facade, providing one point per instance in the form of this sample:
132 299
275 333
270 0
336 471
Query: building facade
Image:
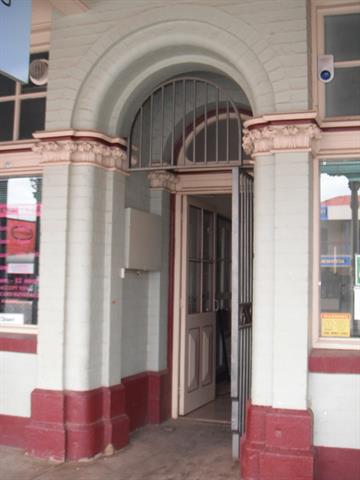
137 115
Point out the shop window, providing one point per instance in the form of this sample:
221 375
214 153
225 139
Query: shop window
338 36
340 249
22 107
20 208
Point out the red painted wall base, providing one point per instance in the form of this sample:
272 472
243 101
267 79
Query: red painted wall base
277 445
147 398
72 425
337 463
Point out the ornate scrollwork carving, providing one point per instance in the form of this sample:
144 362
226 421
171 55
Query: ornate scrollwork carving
163 180
279 138
81 152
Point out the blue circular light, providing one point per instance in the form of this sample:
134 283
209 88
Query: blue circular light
325 75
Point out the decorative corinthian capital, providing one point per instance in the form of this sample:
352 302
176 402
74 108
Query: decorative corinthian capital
75 150
266 138
163 180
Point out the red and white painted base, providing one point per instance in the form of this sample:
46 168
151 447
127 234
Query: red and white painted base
277 445
69 425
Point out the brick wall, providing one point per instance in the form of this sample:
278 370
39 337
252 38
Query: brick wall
103 61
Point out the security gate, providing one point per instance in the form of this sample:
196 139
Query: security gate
241 307
187 124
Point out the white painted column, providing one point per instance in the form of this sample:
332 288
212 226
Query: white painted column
85 278
81 251
52 276
158 288
291 279
263 301
113 284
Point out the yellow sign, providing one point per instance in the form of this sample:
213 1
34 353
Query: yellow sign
335 324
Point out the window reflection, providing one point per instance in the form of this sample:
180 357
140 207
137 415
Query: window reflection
20 208
339 247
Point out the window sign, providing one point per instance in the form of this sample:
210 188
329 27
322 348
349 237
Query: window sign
20 210
15 26
339 247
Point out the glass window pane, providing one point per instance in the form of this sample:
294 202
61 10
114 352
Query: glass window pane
6 121
342 36
32 117
339 243
194 233
208 235
194 287
207 293
19 249
7 86
343 93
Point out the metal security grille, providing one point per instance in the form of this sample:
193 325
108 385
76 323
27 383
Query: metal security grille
185 123
242 293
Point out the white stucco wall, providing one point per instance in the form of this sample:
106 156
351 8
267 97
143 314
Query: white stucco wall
144 308
104 60
335 402
18 373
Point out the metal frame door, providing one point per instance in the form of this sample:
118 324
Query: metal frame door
241 304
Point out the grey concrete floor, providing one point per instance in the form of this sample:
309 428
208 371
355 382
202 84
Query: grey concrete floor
176 450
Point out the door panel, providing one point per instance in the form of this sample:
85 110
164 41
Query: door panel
197 375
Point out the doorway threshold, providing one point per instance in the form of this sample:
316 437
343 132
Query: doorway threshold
217 411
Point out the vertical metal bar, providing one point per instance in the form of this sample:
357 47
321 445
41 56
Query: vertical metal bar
194 121
173 123
235 305
201 259
205 123
162 126
184 119
140 137
217 127
227 131
151 129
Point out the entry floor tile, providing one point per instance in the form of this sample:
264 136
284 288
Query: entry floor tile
218 411
174 450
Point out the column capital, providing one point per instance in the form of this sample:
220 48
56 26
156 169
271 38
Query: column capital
81 147
280 133
163 180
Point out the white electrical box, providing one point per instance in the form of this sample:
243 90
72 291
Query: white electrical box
142 240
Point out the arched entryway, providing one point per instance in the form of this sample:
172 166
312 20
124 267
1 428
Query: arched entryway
191 126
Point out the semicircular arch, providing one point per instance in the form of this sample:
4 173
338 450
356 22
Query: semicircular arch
152 53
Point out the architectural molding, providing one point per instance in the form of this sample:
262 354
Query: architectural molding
163 180
272 138
76 148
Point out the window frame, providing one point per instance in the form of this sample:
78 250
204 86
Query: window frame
28 329
320 9
351 343
17 98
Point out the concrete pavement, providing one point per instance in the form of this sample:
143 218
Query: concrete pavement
176 450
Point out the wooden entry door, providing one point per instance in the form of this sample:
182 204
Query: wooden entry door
197 365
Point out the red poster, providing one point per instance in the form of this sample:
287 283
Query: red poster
20 236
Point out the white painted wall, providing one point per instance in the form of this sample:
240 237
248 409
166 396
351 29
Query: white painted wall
144 308
335 402
292 225
281 280
263 283
105 60
18 373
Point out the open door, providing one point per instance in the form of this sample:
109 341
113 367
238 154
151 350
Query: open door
197 365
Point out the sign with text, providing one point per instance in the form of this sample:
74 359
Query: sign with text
335 260
15 27
335 324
